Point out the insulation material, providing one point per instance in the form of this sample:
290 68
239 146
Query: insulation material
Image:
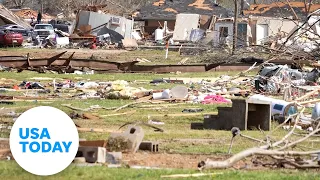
171 10
159 3
200 4
185 23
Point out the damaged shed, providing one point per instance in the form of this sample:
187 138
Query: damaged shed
157 12
223 32
98 24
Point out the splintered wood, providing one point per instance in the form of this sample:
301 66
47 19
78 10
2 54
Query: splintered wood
275 149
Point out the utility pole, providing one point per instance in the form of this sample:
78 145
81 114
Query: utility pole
241 7
235 27
41 2
68 9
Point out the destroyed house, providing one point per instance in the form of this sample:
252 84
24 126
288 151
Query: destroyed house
99 24
27 14
8 17
292 10
157 12
276 19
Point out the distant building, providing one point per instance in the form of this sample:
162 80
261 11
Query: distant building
271 19
27 14
155 13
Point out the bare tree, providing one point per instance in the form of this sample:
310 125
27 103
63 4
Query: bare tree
15 3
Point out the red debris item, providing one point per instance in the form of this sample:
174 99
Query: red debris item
93 46
213 99
16 87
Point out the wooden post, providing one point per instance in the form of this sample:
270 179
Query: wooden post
241 6
167 49
235 27
41 7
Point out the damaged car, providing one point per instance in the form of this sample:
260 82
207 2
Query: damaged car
272 77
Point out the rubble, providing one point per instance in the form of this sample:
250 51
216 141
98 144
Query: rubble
130 139
277 93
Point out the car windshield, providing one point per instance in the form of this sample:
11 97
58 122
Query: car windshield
48 27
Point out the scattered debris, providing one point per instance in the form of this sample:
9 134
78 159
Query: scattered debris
190 175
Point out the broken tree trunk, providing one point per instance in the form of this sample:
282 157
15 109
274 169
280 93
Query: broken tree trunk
286 157
209 164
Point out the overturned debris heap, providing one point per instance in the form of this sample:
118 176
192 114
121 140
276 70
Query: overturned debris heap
70 64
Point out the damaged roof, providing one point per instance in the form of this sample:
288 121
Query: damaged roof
280 9
168 9
29 13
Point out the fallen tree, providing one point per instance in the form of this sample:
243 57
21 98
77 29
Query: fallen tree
277 150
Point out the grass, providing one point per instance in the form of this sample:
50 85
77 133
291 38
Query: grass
177 129
154 56
115 76
11 170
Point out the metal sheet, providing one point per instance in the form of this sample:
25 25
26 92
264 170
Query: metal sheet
184 24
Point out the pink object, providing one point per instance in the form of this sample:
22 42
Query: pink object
28 84
213 99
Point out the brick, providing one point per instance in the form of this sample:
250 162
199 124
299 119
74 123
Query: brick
97 143
92 154
149 146
198 126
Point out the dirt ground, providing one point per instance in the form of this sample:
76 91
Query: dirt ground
174 161
155 160
45 53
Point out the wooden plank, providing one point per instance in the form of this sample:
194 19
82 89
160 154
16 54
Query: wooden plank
190 175
183 114
96 143
96 130
307 95
118 114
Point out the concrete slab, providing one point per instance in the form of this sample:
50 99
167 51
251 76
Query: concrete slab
134 135
92 154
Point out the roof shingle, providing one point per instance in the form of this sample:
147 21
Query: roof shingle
168 9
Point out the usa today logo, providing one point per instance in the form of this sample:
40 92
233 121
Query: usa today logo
44 140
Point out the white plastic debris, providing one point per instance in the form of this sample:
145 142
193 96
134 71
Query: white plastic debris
316 112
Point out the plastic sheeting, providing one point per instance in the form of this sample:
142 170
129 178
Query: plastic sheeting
316 112
196 35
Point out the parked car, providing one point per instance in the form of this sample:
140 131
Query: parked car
16 28
60 25
10 38
43 31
